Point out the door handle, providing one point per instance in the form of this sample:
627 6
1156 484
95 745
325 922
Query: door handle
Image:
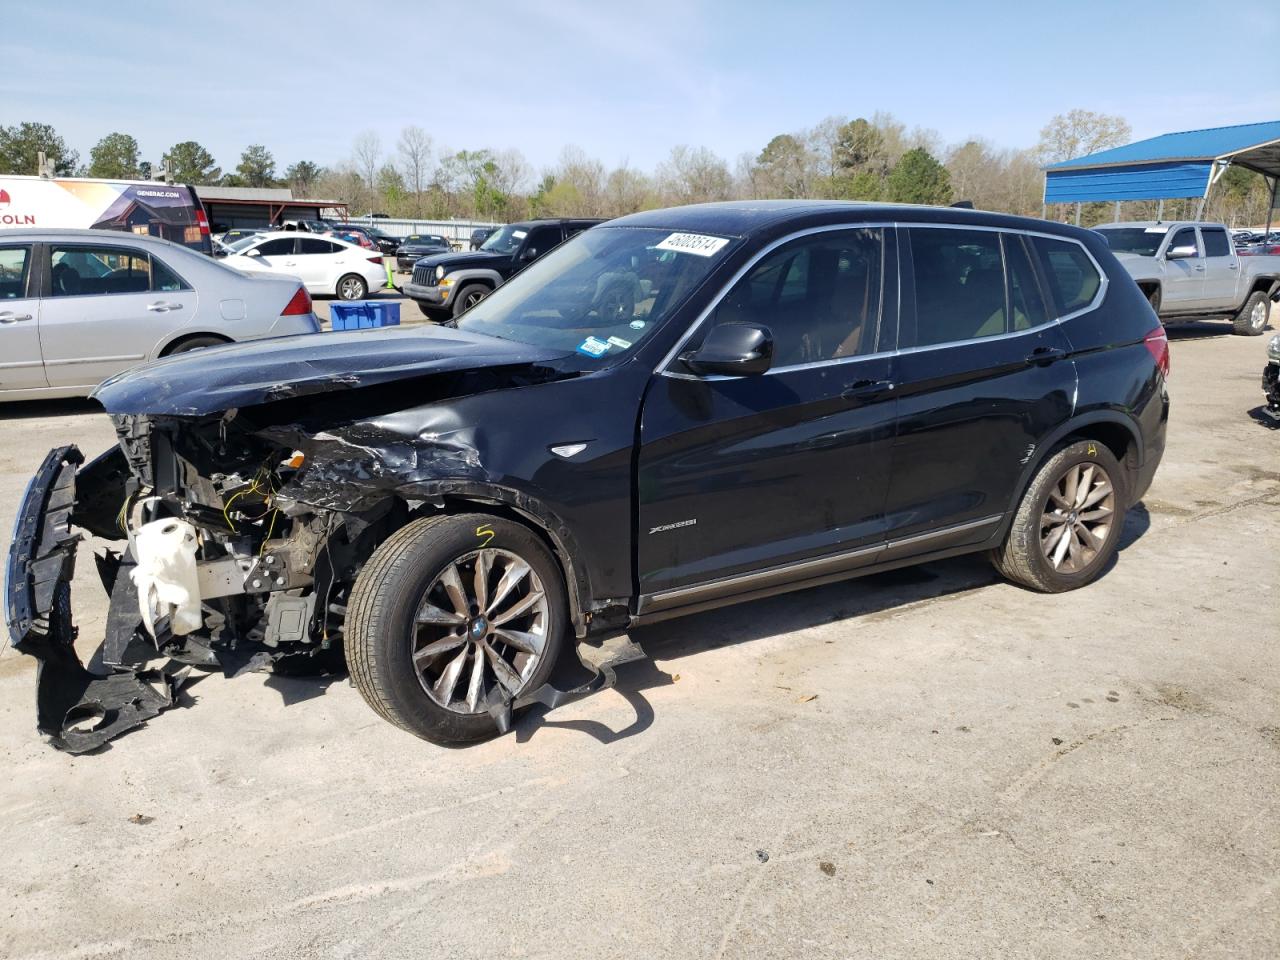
10 317
866 389
1043 356
162 306
1232 266
1199 268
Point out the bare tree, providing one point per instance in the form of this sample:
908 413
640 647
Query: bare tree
1081 132
694 175
626 191
366 152
414 147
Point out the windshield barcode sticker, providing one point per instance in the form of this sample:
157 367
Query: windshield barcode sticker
694 243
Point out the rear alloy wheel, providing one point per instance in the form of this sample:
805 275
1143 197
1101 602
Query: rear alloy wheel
196 343
453 615
1251 321
352 287
1069 521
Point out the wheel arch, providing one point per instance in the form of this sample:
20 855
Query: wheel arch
185 336
1112 428
500 501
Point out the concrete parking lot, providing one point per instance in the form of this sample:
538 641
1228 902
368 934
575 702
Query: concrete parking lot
928 763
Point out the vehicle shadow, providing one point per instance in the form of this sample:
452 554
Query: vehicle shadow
1259 415
1202 330
33 409
787 613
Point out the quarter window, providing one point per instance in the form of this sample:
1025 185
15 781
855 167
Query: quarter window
162 278
1072 278
13 272
819 296
959 285
1216 243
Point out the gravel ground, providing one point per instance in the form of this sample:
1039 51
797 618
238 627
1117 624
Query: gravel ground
929 763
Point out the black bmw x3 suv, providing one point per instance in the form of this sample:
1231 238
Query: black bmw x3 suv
676 410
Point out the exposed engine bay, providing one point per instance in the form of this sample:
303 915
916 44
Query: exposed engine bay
234 536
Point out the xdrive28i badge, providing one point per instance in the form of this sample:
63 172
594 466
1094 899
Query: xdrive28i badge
663 528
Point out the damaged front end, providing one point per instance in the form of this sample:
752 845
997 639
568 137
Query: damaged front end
234 536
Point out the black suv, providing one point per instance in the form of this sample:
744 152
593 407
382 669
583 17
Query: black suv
452 283
677 410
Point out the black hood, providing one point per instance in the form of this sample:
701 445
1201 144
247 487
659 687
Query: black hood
472 258
203 382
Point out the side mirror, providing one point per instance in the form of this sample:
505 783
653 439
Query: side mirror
732 350
1180 253
528 255
255 252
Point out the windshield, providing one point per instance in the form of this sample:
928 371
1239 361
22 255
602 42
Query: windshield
601 293
1144 241
244 243
504 240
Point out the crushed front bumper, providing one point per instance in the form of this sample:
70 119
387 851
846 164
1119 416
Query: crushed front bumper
78 711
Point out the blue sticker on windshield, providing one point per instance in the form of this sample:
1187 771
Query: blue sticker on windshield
593 347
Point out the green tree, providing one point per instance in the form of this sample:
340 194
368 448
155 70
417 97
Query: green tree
257 168
918 178
859 147
114 157
20 144
302 177
189 162
784 167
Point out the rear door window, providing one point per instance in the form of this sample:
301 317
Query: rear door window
1027 307
1216 243
14 262
959 285
1069 272
316 245
96 271
280 247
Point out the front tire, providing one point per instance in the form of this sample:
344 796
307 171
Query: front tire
468 297
1068 522
447 614
352 287
1251 321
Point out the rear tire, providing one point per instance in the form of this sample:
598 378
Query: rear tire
1153 298
1251 321
386 623
194 343
352 287
1046 548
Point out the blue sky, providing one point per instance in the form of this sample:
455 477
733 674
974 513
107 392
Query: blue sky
623 81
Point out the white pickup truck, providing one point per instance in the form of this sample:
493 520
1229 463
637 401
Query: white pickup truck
1191 271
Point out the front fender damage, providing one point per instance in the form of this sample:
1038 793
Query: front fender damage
288 503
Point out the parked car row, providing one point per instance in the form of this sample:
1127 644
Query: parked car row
78 306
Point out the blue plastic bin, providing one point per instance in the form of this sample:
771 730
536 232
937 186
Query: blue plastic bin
361 314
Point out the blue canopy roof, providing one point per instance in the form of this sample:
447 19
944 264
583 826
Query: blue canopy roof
1171 165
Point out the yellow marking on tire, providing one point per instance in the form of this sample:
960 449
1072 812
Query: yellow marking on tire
485 532
1093 450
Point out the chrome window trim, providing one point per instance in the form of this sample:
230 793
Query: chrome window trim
662 368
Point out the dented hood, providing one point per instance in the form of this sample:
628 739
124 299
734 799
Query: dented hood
204 382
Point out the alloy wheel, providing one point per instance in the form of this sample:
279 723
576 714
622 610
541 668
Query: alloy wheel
1077 518
471 300
1258 316
481 624
350 289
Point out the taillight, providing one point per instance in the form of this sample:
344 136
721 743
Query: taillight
1158 344
377 260
203 221
298 305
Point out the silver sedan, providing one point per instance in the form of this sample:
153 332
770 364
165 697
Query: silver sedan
78 306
